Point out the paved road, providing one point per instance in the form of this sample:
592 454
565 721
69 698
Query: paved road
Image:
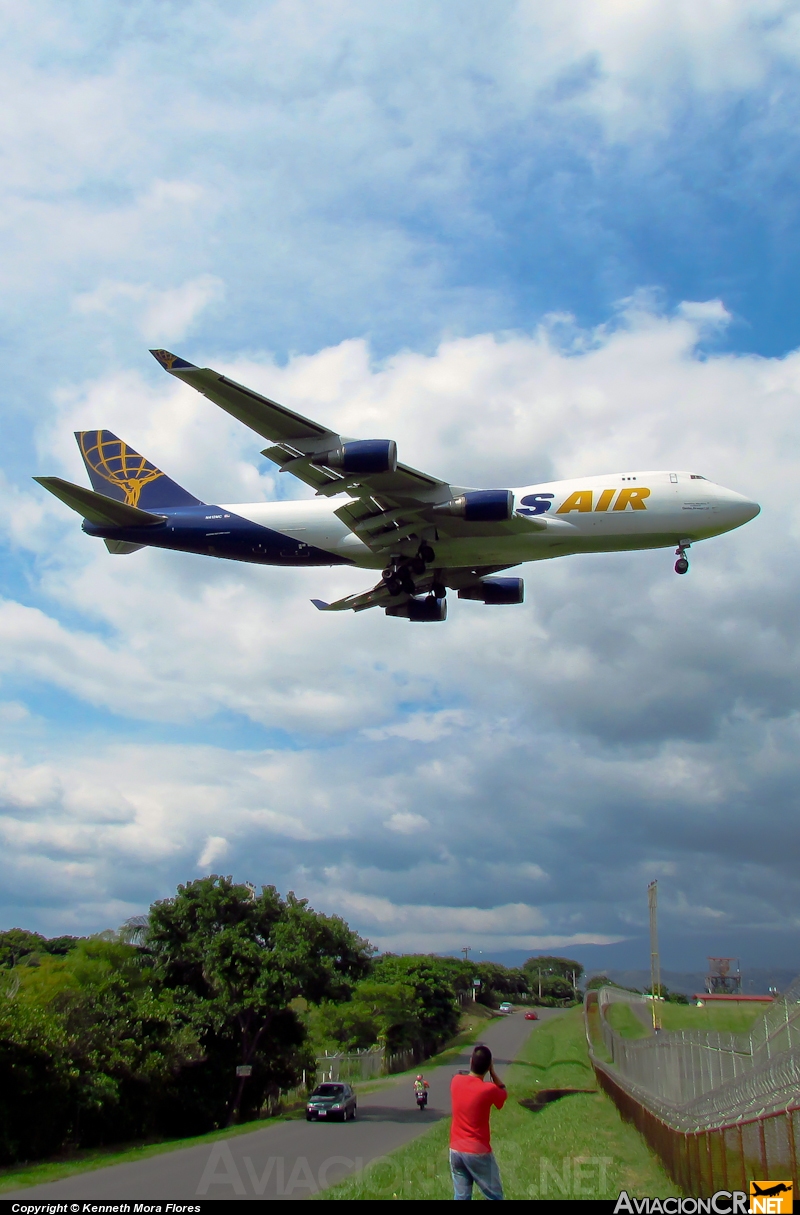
294 1159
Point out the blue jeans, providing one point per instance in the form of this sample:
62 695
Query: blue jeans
469 1167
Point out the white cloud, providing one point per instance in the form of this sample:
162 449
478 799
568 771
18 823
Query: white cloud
122 169
433 928
422 727
216 847
164 316
705 312
406 824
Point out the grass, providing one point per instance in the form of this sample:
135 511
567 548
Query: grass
721 1018
623 1019
575 1148
20 1176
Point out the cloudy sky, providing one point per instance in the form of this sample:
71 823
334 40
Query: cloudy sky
528 240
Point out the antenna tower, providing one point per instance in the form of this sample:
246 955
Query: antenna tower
655 962
724 976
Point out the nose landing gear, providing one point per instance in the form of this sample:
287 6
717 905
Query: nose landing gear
682 565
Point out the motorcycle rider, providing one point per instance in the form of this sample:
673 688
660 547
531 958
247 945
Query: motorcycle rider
421 1087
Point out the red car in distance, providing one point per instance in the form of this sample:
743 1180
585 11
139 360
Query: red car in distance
531 1016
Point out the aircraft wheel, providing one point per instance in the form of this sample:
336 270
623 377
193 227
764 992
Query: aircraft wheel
407 583
681 566
426 553
438 590
394 585
417 565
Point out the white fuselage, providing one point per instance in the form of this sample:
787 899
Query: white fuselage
584 514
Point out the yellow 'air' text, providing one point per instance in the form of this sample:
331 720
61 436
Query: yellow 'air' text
582 500
634 497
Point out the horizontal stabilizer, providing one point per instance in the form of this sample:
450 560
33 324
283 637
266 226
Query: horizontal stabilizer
97 508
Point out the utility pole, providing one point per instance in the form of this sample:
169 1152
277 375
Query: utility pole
655 963
465 952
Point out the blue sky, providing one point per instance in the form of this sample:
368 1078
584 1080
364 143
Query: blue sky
531 239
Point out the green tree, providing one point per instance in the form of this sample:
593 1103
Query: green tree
59 946
37 1082
235 959
598 981
17 943
500 982
125 1039
88 1047
547 975
433 981
382 1014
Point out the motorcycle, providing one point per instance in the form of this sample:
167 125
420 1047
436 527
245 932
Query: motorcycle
422 1099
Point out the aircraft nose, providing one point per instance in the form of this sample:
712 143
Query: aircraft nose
737 508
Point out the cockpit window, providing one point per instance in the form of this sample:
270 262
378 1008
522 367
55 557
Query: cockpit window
697 477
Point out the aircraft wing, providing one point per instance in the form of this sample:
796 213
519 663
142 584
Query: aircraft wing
380 596
387 506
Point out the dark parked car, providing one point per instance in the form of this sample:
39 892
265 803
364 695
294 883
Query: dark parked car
331 1101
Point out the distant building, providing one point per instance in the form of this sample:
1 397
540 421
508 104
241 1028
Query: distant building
705 997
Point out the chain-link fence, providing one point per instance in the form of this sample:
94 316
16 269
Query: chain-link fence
351 1066
362 1065
717 1107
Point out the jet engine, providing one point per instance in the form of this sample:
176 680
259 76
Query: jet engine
363 456
419 608
480 506
495 590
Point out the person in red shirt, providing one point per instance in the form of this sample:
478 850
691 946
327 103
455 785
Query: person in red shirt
471 1156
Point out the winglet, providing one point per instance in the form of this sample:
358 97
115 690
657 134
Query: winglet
321 605
171 362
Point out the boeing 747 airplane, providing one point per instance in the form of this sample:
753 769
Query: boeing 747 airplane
424 535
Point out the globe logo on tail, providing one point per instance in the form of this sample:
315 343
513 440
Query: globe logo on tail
119 465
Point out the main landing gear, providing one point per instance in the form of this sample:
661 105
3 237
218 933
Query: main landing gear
682 565
399 577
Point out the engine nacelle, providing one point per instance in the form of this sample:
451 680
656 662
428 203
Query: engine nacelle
480 506
495 590
362 456
420 609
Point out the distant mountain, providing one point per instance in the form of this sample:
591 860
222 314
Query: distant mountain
756 980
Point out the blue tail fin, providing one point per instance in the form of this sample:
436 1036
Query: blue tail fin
119 472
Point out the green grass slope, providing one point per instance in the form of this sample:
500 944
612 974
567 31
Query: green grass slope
575 1148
